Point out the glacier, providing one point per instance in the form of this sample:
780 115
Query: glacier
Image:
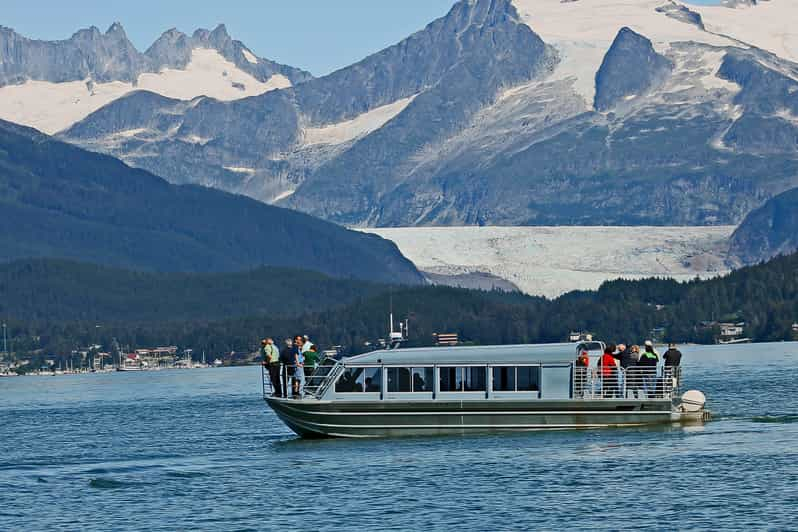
550 261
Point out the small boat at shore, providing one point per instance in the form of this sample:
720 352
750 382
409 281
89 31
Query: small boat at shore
479 389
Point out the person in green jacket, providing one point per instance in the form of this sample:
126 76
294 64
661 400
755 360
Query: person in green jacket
271 361
311 360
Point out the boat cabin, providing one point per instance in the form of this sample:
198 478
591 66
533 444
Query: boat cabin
450 373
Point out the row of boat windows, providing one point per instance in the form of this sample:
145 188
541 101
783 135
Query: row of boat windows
452 379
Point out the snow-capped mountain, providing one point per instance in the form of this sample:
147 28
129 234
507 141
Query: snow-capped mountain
507 112
51 85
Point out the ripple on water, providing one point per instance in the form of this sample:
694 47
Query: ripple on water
110 483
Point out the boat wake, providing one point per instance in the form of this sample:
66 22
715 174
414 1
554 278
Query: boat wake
786 418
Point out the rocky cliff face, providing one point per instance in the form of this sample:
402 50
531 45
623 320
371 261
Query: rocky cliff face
631 68
770 230
502 112
88 53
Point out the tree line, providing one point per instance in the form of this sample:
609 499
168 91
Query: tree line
764 296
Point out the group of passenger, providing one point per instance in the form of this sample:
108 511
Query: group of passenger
626 370
290 367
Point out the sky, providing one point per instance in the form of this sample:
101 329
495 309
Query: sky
316 35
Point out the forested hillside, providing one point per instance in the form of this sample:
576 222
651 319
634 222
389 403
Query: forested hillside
61 201
60 290
764 296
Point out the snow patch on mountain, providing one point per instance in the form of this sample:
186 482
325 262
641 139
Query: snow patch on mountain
768 25
363 124
209 74
249 56
583 31
240 169
550 261
52 107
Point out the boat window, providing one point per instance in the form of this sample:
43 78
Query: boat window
451 379
468 379
529 379
474 379
351 380
423 380
373 379
398 379
504 379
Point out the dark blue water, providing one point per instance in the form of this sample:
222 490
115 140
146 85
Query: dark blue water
180 450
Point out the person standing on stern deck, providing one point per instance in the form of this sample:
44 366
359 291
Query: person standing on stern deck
624 357
648 363
608 372
672 359
271 360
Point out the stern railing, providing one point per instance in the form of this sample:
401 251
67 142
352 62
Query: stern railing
636 382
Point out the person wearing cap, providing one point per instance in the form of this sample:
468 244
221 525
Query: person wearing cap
306 343
271 361
648 362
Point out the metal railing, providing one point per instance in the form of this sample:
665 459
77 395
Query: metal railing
636 382
290 381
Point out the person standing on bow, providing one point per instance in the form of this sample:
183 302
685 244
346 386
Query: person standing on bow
299 368
271 360
287 361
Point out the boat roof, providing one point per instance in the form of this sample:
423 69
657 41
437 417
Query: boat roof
478 354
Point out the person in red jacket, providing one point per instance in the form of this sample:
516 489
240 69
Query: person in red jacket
608 372
582 365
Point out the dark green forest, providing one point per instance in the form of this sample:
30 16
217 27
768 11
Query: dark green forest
349 313
61 201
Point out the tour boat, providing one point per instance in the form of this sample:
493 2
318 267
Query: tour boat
478 389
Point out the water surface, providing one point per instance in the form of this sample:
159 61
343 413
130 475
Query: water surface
178 450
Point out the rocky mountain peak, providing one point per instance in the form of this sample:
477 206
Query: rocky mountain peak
631 68
116 31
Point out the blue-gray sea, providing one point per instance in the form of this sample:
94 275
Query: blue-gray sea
198 450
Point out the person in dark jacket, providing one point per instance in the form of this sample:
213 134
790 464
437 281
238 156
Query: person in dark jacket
634 378
287 361
672 357
648 364
624 357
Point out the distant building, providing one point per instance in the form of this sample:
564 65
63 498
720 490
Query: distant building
574 337
446 339
730 331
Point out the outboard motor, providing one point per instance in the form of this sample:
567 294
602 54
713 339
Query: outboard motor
692 405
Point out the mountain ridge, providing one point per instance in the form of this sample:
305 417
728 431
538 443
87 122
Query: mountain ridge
501 121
